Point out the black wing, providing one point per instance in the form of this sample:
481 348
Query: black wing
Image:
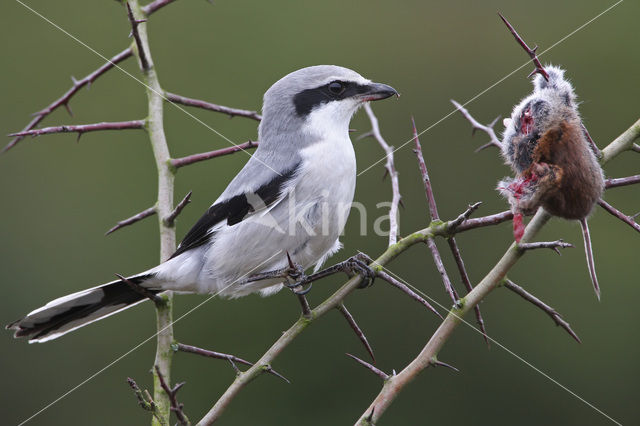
234 210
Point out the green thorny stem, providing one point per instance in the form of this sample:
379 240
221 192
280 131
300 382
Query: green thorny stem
396 383
155 128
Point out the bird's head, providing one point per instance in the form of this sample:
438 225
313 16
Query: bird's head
317 99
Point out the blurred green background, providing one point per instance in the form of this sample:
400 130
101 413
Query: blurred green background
59 197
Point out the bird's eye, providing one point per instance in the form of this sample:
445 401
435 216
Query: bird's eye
336 87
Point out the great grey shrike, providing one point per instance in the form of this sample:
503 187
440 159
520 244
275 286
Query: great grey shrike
292 198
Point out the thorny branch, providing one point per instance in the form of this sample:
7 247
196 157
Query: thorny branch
396 199
170 220
395 384
404 288
354 325
133 219
555 316
83 128
475 125
195 158
176 406
453 245
86 81
531 52
218 355
231 112
617 213
375 370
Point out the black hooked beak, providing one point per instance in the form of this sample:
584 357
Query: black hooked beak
377 91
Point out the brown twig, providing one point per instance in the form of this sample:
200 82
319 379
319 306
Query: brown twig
83 128
170 220
553 314
142 56
86 81
455 251
616 182
475 126
391 171
480 222
531 52
618 214
143 291
433 208
218 355
377 371
454 224
354 326
176 406
553 245
66 97
231 112
404 288
594 147
437 259
133 219
195 158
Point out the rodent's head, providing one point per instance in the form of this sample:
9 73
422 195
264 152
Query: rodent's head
550 103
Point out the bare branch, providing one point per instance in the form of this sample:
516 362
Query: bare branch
354 326
553 245
83 128
453 225
481 222
404 288
594 147
443 272
142 56
531 52
176 406
622 143
453 245
231 112
377 371
86 81
170 220
614 183
553 314
66 97
219 355
195 158
618 214
395 384
391 170
433 208
475 124
133 219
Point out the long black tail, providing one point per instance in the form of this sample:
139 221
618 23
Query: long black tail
68 313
